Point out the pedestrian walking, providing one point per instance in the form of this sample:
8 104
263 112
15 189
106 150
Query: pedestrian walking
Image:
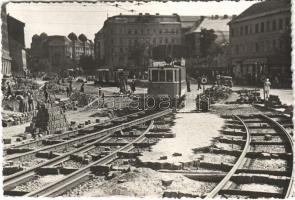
277 82
9 93
267 85
188 85
68 91
99 91
46 95
132 86
30 101
218 80
82 88
199 79
71 87
21 103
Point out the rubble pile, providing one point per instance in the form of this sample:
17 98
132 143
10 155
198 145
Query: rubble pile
217 93
48 119
249 97
12 119
55 88
273 101
24 84
134 183
82 99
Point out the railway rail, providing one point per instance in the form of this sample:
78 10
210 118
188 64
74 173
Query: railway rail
241 174
13 180
88 135
68 134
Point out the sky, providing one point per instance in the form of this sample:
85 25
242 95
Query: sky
64 18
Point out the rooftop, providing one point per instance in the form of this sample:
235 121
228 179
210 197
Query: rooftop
262 8
143 18
218 25
189 21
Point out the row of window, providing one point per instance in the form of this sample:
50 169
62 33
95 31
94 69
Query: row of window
262 46
270 25
145 31
164 75
159 40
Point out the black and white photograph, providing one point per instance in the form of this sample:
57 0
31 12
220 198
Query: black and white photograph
154 99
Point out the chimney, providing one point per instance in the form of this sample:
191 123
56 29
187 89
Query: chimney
140 14
157 14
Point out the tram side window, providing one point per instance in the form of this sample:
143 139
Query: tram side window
176 76
169 75
154 75
162 76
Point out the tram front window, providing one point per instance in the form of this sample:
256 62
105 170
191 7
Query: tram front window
154 75
169 75
162 76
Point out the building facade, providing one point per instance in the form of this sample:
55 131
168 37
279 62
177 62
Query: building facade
210 65
17 51
5 58
260 42
129 41
58 52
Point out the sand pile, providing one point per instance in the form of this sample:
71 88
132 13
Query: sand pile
144 182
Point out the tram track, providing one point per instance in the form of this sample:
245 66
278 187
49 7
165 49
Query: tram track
13 180
68 134
265 138
64 146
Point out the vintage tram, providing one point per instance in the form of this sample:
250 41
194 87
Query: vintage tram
167 83
110 77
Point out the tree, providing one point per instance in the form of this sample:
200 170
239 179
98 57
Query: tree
88 64
72 36
207 42
82 38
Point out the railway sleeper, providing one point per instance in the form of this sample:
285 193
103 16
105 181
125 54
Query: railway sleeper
10 151
233 133
267 143
226 152
161 135
51 142
179 195
125 154
15 193
262 171
251 194
231 141
264 134
235 126
82 158
260 127
269 155
260 178
8 170
55 170
47 154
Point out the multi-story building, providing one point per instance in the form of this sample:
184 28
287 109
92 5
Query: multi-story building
59 51
17 51
260 41
81 46
98 46
128 41
198 63
5 58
